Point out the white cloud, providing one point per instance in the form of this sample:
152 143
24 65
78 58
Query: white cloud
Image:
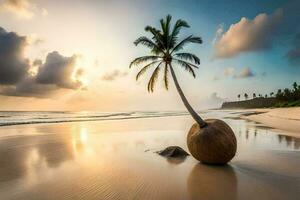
219 32
23 9
113 75
20 8
247 35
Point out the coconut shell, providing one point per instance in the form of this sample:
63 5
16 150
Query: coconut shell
212 144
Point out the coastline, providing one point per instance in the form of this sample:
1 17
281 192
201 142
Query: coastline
286 119
116 159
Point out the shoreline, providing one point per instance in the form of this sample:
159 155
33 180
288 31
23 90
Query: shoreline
284 119
107 160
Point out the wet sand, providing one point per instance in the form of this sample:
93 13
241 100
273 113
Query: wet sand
287 119
116 160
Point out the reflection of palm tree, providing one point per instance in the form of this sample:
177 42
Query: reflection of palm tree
288 140
247 134
166 51
279 138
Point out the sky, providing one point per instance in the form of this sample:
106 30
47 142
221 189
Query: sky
75 55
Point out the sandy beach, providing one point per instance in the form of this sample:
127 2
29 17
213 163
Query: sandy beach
287 119
117 160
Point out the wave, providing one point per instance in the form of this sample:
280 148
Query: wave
27 117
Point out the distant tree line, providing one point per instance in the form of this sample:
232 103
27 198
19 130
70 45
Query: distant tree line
289 94
285 97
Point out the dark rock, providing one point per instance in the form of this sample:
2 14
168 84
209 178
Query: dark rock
173 152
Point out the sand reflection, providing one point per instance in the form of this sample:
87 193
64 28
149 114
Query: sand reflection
212 182
18 155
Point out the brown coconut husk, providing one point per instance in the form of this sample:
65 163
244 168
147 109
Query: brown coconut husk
213 144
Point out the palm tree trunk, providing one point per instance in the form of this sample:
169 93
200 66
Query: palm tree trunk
196 117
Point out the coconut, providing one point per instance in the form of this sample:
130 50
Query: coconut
213 144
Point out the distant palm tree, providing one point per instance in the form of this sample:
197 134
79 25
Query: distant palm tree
166 51
239 96
266 96
246 96
295 86
254 95
271 94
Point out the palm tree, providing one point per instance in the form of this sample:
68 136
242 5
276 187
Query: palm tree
166 51
271 94
296 87
239 96
246 96
254 95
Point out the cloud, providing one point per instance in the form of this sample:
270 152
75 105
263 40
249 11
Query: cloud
37 62
21 8
16 78
213 101
58 70
13 67
219 32
111 76
244 73
231 72
228 71
248 35
293 55
28 87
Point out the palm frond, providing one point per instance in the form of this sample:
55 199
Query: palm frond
192 65
153 78
189 57
145 68
189 39
157 36
187 67
166 79
165 27
145 41
176 29
142 59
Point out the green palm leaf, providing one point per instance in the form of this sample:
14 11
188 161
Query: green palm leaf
146 42
145 68
177 27
190 64
165 27
187 67
142 59
157 37
189 57
189 39
153 78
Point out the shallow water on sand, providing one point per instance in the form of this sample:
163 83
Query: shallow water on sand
116 160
